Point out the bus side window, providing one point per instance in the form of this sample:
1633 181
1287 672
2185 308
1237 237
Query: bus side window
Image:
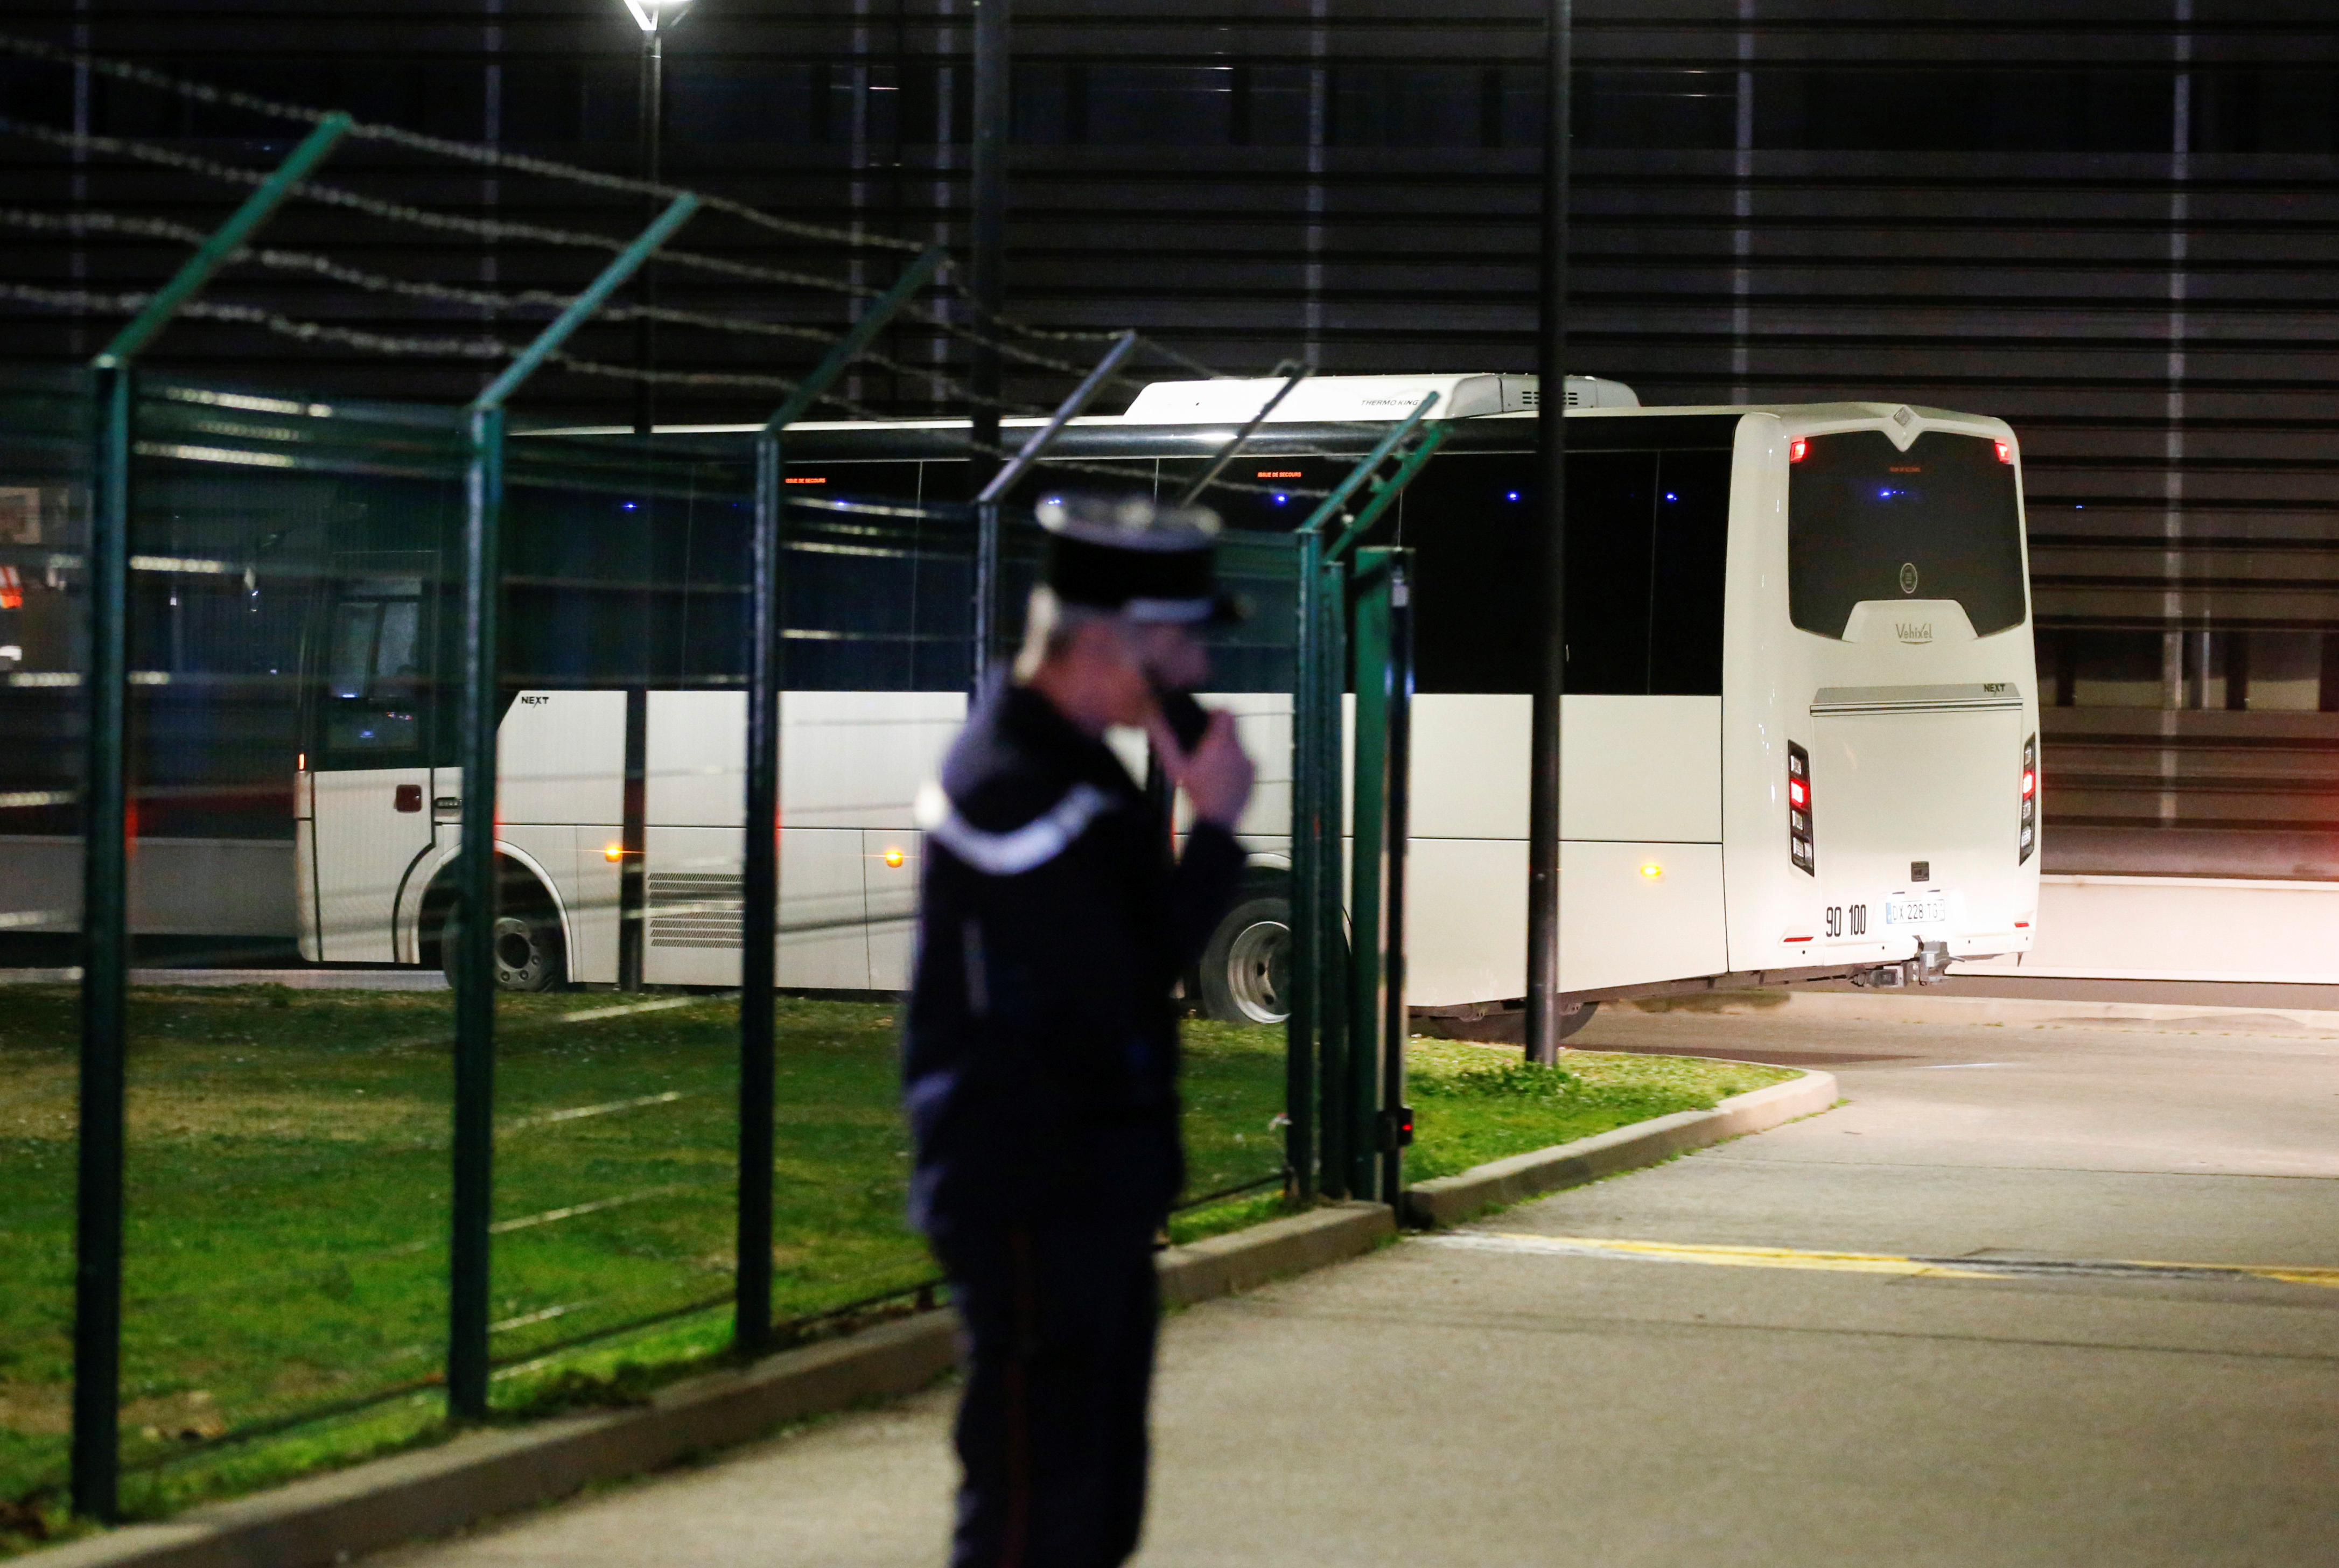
881 601
352 669
1687 556
1471 520
1611 502
373 681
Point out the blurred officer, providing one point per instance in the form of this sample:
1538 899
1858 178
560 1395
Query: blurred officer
1041 1048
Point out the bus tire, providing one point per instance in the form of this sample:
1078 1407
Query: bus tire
529 954
1245 969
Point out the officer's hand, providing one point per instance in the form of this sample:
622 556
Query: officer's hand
1216 774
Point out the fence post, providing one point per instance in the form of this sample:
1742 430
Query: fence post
105 846
1397 1026
1345 1136
479 715
468 1258
1300 1029
1367 874
104 958
759 880
1384 755
1334 952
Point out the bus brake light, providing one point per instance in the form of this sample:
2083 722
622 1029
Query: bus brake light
1799 848
1799 448
2005 452
2026 841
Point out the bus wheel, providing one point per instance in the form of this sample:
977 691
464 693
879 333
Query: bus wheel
1576 1017
1247 966
529 952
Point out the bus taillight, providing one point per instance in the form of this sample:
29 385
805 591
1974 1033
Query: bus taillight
1799 810
2029 839
2005 452
1799 448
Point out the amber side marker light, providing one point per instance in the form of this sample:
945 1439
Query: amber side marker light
615 853
1653 870
895 858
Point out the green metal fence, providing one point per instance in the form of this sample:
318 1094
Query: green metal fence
288 1155
312 1223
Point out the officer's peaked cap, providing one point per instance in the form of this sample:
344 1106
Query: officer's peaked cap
1137 557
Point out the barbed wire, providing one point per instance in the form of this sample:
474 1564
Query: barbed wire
496 228
270 321
376 282
400 212
995 333
493 349
469 151
86 222
1000 324
497 157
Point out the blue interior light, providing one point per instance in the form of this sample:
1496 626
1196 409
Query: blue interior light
1280 497
1513 496
1672 497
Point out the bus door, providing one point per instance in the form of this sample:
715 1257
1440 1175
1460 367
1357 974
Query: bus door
370 815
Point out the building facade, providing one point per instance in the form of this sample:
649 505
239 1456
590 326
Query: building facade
2113 222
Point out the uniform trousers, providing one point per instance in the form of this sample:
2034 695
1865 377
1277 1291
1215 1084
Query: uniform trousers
1059 1319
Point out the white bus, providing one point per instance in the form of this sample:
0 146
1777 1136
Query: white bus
1800 733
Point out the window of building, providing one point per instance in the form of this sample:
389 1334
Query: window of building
2000 110
2265 109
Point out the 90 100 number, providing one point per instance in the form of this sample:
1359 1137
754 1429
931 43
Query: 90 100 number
1847 920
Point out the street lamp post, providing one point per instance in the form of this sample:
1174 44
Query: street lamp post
1546 1019
654 17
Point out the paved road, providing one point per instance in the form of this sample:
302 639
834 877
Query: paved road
1548 1403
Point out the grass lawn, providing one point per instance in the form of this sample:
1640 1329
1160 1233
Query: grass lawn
1473 1103
287 1187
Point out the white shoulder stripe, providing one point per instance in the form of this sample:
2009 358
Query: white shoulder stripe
1018 850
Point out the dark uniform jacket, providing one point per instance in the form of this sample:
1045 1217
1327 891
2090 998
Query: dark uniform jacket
1041 1057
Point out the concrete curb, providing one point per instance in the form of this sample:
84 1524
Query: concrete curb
1887 1007
1245 1260
309 979
1451 1199
481 1474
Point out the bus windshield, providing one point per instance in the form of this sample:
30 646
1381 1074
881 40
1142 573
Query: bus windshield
1867 521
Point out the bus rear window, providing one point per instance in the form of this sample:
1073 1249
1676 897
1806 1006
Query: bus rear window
1939 521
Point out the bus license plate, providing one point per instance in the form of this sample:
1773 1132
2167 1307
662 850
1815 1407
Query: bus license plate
1932 910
